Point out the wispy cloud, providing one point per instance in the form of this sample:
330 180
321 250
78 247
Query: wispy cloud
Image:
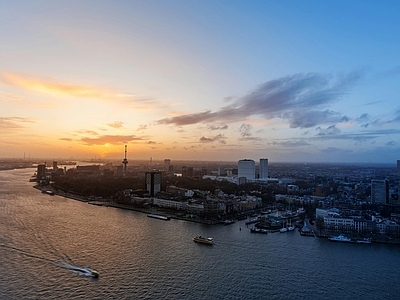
117 124
391 143
250 138
334 150
91 132
13 123
53 87
389 73
358 136
290 143
142 127
300 99
112 139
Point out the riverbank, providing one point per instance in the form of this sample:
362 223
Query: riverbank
377 238
110 203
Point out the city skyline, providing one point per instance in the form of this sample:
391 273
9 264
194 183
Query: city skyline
217 81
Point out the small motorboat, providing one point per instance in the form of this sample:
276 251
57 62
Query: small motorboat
94 274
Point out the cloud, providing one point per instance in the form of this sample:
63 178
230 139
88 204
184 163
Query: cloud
394 72
291 144
245 130
292 98
218 138
52 87
363 118
142 127
217 127
117 124
331 130
66 139
8 97
151 142
391 143
307 119
396 119
111 139
91 132
250 138
334 150
13 123
360 136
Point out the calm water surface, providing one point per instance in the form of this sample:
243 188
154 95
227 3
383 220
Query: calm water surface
43 237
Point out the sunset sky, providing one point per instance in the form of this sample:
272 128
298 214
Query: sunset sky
291 81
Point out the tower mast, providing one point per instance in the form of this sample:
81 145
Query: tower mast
125 161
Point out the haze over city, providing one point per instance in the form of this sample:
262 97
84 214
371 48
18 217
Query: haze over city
294 81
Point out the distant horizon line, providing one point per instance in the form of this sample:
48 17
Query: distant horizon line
44 159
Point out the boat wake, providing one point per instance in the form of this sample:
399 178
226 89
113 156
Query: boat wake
81 271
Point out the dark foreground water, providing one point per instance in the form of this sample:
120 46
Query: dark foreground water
48 242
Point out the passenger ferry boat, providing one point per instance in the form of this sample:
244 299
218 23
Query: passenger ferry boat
203 240
344 239
340 238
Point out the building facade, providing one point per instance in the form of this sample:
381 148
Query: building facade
263 168
153 183
380 191
246 169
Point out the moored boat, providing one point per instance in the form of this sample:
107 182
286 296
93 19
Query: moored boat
339 238
258 230
362 241
342 238
203 240
160 217
252 220
48 192
228 222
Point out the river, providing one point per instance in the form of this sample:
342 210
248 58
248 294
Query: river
48 243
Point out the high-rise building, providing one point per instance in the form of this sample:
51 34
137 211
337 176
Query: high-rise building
184 170
247 169
55 167
380 191
398 167
190 171
153 183
41 172
263 168
221 171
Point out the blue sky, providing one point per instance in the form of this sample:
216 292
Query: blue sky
297 81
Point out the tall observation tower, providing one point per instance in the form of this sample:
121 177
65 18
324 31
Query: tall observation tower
125 161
